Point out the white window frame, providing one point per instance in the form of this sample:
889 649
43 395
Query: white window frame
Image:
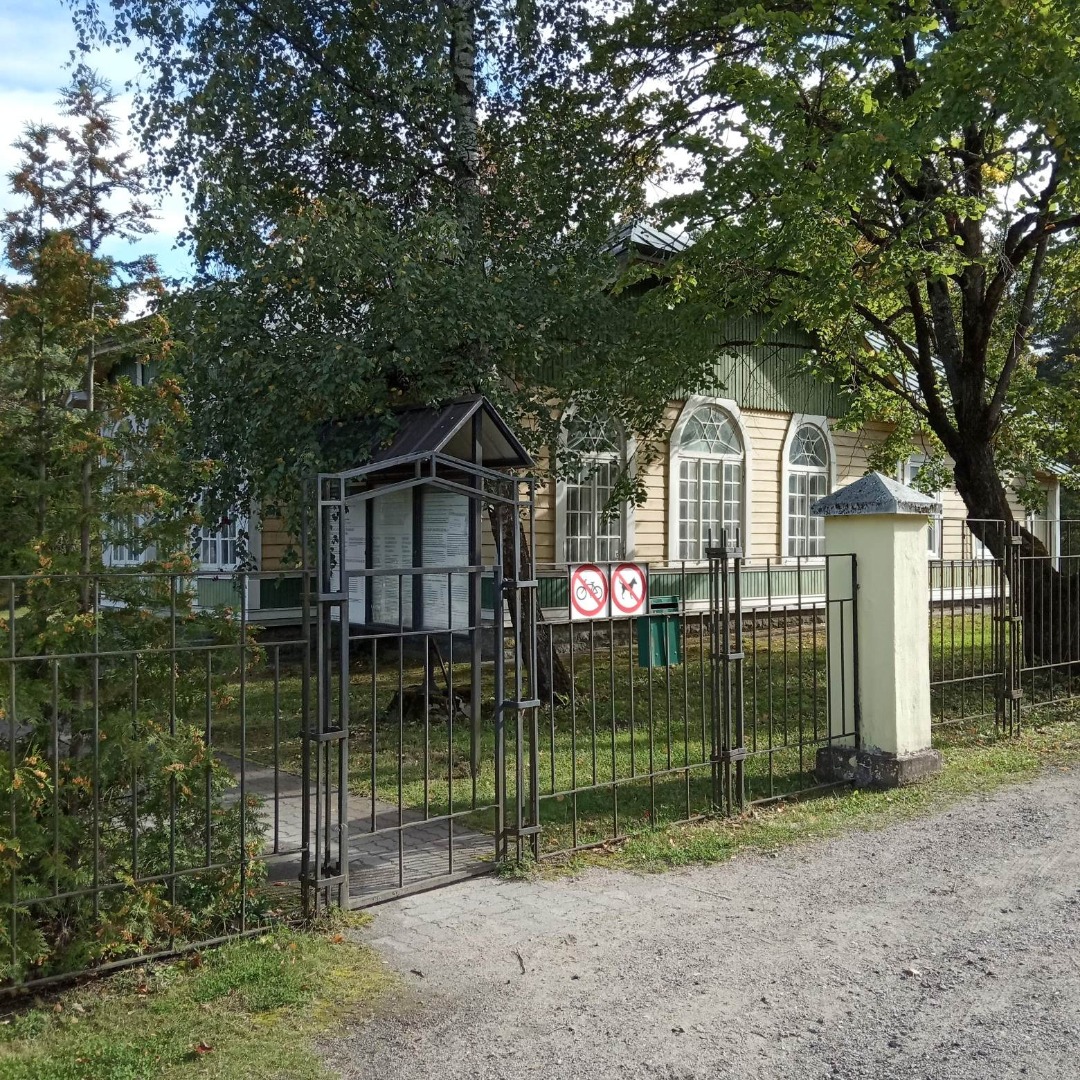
905 474
1052 521
797 421
676 456
239 524
118 553
625 455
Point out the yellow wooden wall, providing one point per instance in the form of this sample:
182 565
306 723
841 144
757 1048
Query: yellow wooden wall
766 432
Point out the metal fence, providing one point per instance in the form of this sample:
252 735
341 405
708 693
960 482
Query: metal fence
155 759
696 709
173 777
1004 636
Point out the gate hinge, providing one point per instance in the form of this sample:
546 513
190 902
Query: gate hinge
737 754
334 735
529 703
509 584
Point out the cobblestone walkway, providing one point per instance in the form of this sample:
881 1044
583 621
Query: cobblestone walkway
399 852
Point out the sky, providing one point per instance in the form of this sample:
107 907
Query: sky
37 41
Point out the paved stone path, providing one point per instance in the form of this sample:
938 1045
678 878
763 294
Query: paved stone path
385 853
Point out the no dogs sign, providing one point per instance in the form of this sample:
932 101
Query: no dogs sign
629 589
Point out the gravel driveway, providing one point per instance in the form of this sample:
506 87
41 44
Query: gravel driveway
944 947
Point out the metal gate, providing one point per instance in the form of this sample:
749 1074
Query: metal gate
427 762
421 768
784 678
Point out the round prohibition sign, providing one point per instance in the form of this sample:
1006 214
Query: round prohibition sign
588 590
628 588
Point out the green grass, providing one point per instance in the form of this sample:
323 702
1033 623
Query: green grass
250 1009
630 751
975 763
648 730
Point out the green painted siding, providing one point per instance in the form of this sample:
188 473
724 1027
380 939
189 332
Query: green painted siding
283 592
774 375
219 592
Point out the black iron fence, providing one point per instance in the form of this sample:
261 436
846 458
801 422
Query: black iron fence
703 705
140 813
174 775
1004 630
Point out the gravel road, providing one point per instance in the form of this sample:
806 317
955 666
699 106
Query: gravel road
944 947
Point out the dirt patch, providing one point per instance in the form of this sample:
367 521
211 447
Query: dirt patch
944 947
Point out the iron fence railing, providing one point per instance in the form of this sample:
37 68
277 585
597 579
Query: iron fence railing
703 707
1004 632
137 816
167 768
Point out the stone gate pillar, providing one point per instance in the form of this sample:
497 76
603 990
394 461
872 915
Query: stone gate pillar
883 523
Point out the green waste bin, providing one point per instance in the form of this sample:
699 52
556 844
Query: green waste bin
659 644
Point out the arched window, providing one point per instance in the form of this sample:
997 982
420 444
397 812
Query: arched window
807 481
711 465
594 532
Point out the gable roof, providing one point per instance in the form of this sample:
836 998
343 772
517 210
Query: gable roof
450 431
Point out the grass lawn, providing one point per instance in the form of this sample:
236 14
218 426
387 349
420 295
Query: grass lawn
974 763
645 731
630 750
250 1009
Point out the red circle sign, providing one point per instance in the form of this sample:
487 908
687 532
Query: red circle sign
588 590
629 588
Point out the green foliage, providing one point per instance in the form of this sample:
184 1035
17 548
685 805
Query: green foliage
109 787
83 453
393 204
901 179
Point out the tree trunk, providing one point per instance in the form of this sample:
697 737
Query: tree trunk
550 678
1049 600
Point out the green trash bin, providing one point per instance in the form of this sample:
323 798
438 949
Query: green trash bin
659 644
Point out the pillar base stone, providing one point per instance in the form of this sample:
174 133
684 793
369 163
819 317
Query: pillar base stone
876 768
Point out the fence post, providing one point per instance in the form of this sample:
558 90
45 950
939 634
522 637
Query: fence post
883 525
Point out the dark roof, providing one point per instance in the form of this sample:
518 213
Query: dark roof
447 429
875 494
424 430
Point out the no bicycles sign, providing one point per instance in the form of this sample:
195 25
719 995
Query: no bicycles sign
588 592
613 591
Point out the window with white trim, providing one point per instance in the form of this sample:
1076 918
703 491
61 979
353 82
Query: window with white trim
711 464
217 547
595 532
122 546
908 475
807 481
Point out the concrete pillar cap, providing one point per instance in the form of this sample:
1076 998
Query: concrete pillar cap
875 493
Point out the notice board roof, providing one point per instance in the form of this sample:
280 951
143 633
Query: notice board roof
453 431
